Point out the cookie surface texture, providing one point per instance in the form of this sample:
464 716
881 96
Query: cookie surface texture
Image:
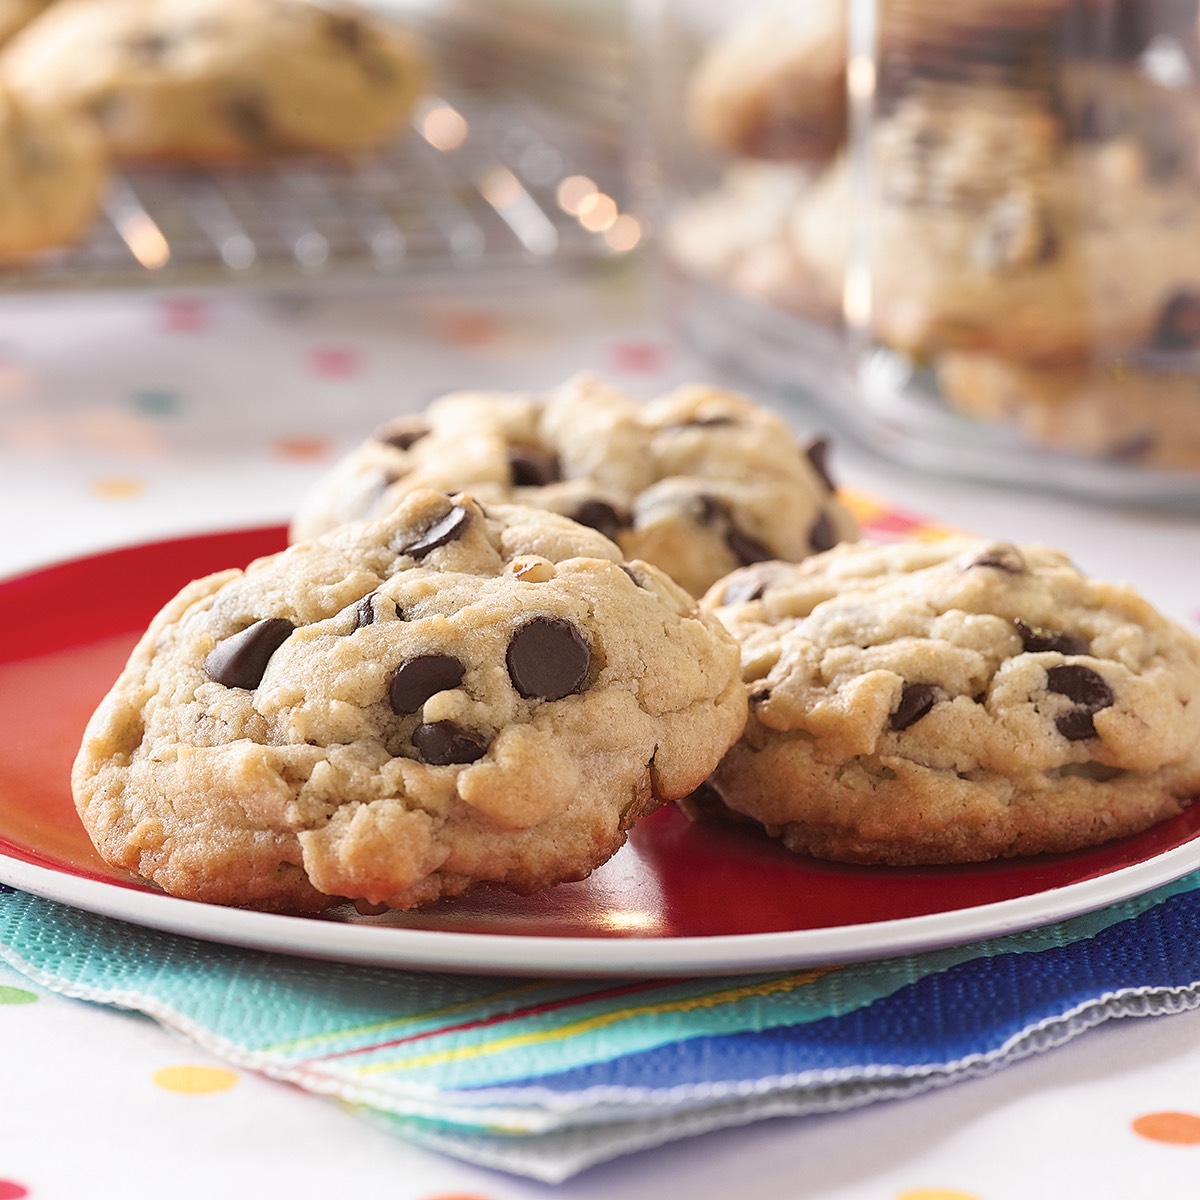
955 701
404 708
697 482
220 80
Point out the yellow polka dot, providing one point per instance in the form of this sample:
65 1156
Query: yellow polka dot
195 1081
118 487
937 1194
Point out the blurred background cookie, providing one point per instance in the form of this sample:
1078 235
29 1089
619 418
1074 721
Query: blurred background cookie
52 174
222 80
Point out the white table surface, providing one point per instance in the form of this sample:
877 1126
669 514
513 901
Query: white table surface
127 417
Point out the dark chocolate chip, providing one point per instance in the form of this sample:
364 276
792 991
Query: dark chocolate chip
1179 324
147 46
602 517
346 31
530 467
248 116
632 574
443 743
239 661
548 659
402 435
414 681
817 453
1076 725
707 509
1002 557
445 529
1036 638
760 696
822 535
915 701
744 548
1080 684
364 612
746 587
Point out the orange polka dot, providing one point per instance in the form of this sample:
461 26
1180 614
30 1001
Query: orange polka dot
195 1081
118 487
1177 1128
303 449
936 1194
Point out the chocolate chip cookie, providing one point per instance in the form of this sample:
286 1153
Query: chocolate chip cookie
401 709
698 482
222 80
1041 227
955 701
53 171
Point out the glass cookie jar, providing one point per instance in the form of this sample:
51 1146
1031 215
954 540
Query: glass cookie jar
968 232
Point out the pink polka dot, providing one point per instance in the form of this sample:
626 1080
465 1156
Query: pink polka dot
10 1190
184 315
335 362
641 358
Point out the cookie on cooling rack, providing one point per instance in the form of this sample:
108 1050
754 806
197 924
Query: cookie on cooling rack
223 80
955 701
52 175
401 709
698 482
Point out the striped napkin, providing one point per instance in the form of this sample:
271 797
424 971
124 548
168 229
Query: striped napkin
546 1077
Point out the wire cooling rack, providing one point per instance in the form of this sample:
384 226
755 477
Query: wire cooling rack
477 184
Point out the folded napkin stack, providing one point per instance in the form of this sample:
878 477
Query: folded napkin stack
546 1077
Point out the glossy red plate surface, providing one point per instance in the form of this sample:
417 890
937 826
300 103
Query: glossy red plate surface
67 629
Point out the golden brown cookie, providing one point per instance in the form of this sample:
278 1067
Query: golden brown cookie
222 80
399 710
955 701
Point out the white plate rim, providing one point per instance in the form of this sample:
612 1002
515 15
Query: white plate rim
645 957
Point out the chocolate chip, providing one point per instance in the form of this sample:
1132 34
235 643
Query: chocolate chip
248 116
346 31
1179 324
445 529
915 701
1036 638
1080 684
364 612
746 587
548 659
632 575
443 744
414 681
817 453
602 517
529 466
1076 725
239 661
708 510
760 696
822 535
744 548
147 46
402 435
1002 557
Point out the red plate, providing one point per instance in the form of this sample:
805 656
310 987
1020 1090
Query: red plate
679 897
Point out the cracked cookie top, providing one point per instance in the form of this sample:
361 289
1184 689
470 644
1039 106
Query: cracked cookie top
698 482
954 701
403 708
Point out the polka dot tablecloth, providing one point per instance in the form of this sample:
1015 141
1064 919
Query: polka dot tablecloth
124 418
